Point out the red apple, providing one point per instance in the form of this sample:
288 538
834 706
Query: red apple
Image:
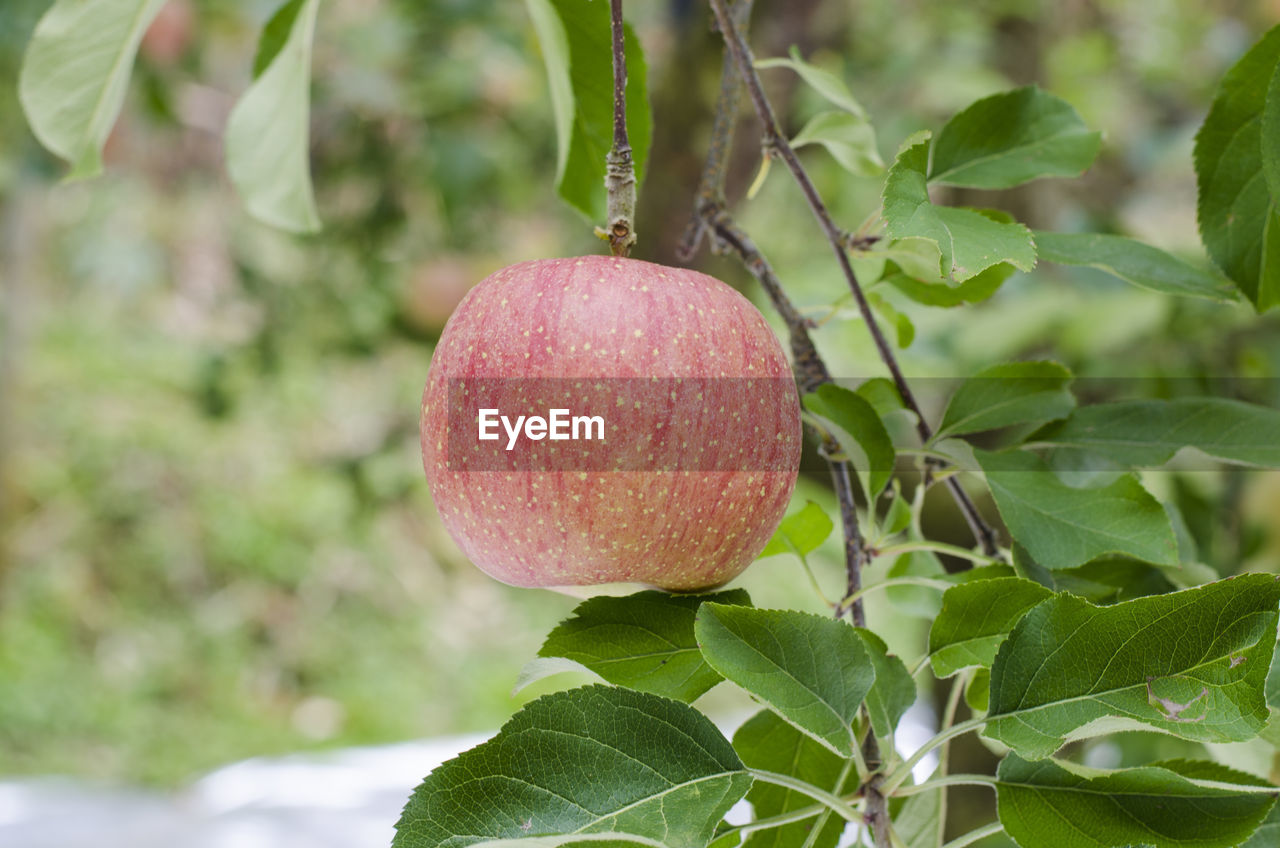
687 472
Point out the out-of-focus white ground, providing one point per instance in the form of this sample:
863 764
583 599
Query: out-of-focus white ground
349 798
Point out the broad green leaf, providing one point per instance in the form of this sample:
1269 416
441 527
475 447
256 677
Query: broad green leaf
1012 138
918 601
824 82
853 422
977 694
1271 135
75 74
883 396
1273 679
894 691
901 323
919 258
1190 663
267 136
1239 217
969 241
555 57
643 641
812 671
850 140
540 668
1268 834
1006 394
575 39
918 819
800 532
973 290
1062 527
976 618
1140 433
769 743
594 760
275 35
595 840
898 517
1112 579
1140 264
1052 804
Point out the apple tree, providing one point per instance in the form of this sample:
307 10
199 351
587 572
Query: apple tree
1079 609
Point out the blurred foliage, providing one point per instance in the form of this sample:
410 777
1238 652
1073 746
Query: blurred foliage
215 540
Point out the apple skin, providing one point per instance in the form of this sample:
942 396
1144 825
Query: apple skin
607 317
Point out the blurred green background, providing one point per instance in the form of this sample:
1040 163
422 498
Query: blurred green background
215 537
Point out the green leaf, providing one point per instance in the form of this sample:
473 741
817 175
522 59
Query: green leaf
853 422
595 840
976 618
850 140
594 760
1148 433
918 601
919 258
275 35
1051 804
824 82
1062 527
1140 264
894 691
75 74
769 743
577 50
1268 835
1112 579
901 323
918 821
1012 138
973 290
883 396
812 671
1190 663
800 532
898 517
977 694
644 641
268 130
555 57
1271 134
969 241
1239 217
1006 394
1273 679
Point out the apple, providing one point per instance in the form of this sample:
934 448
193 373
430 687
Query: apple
597 419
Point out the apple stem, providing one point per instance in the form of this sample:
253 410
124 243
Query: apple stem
776 142
620 172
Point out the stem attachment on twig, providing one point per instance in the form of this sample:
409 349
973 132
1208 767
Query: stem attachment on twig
620 172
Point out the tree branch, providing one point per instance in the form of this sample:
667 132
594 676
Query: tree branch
715 170
620 173
776 142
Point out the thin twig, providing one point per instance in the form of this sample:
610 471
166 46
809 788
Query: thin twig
620 173
812 373
855 553
715 170
711 215
776 143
